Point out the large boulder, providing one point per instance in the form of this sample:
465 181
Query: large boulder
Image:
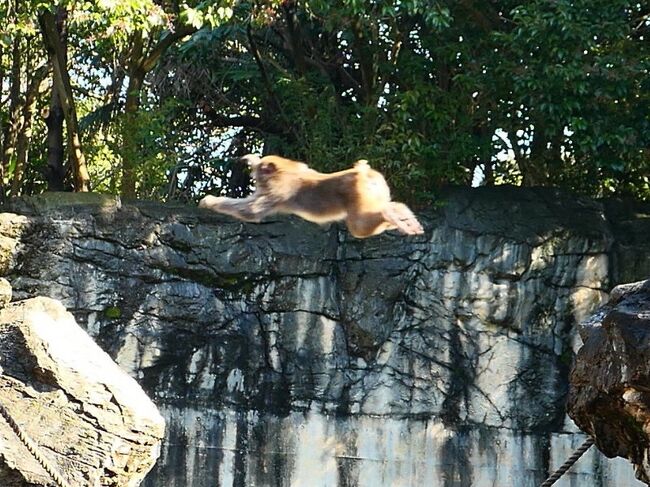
66 406
609 394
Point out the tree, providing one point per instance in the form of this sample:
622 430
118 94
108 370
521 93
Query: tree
533 93
58 58
432 92
579 70
55 169
140 32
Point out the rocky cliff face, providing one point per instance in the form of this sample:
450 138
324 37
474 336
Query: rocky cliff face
610 383
288 354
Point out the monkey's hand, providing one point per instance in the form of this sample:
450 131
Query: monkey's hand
250 209
402 218
211 202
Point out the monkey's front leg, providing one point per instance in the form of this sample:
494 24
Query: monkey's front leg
250 209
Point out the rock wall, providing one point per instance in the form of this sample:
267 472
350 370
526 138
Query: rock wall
287 354
70 415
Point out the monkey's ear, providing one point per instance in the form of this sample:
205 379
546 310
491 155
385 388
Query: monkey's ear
251 159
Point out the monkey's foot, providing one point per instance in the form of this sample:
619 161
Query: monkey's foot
403 218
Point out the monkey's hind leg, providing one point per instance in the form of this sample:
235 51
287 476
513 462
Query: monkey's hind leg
364 225
403 219
250 209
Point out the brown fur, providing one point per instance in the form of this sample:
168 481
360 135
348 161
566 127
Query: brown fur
359 196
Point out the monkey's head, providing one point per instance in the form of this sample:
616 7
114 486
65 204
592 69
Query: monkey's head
268 167
259 165
262 169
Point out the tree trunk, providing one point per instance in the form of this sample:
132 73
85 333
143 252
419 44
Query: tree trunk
136 75
25 135
56 51
294 37
15 122
545 156
55 170
139 64
129 136
367 60
2 83
534 166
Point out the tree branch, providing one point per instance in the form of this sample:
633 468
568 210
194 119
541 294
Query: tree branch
163 44
267 81
244 121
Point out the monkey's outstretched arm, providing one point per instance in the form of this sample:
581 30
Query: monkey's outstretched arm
250 209
400 215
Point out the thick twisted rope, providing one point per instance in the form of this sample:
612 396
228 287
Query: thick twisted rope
569 463
33 449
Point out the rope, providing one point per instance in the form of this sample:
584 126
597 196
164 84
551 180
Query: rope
33 449
569 463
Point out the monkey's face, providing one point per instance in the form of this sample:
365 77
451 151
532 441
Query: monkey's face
260 170
263 172
265 169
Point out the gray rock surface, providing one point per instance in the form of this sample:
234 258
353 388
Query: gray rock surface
5 292
84 418
610 382
284 353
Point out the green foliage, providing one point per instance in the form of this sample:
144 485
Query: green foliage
113 312
151 130
207 14
580 70
430 91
